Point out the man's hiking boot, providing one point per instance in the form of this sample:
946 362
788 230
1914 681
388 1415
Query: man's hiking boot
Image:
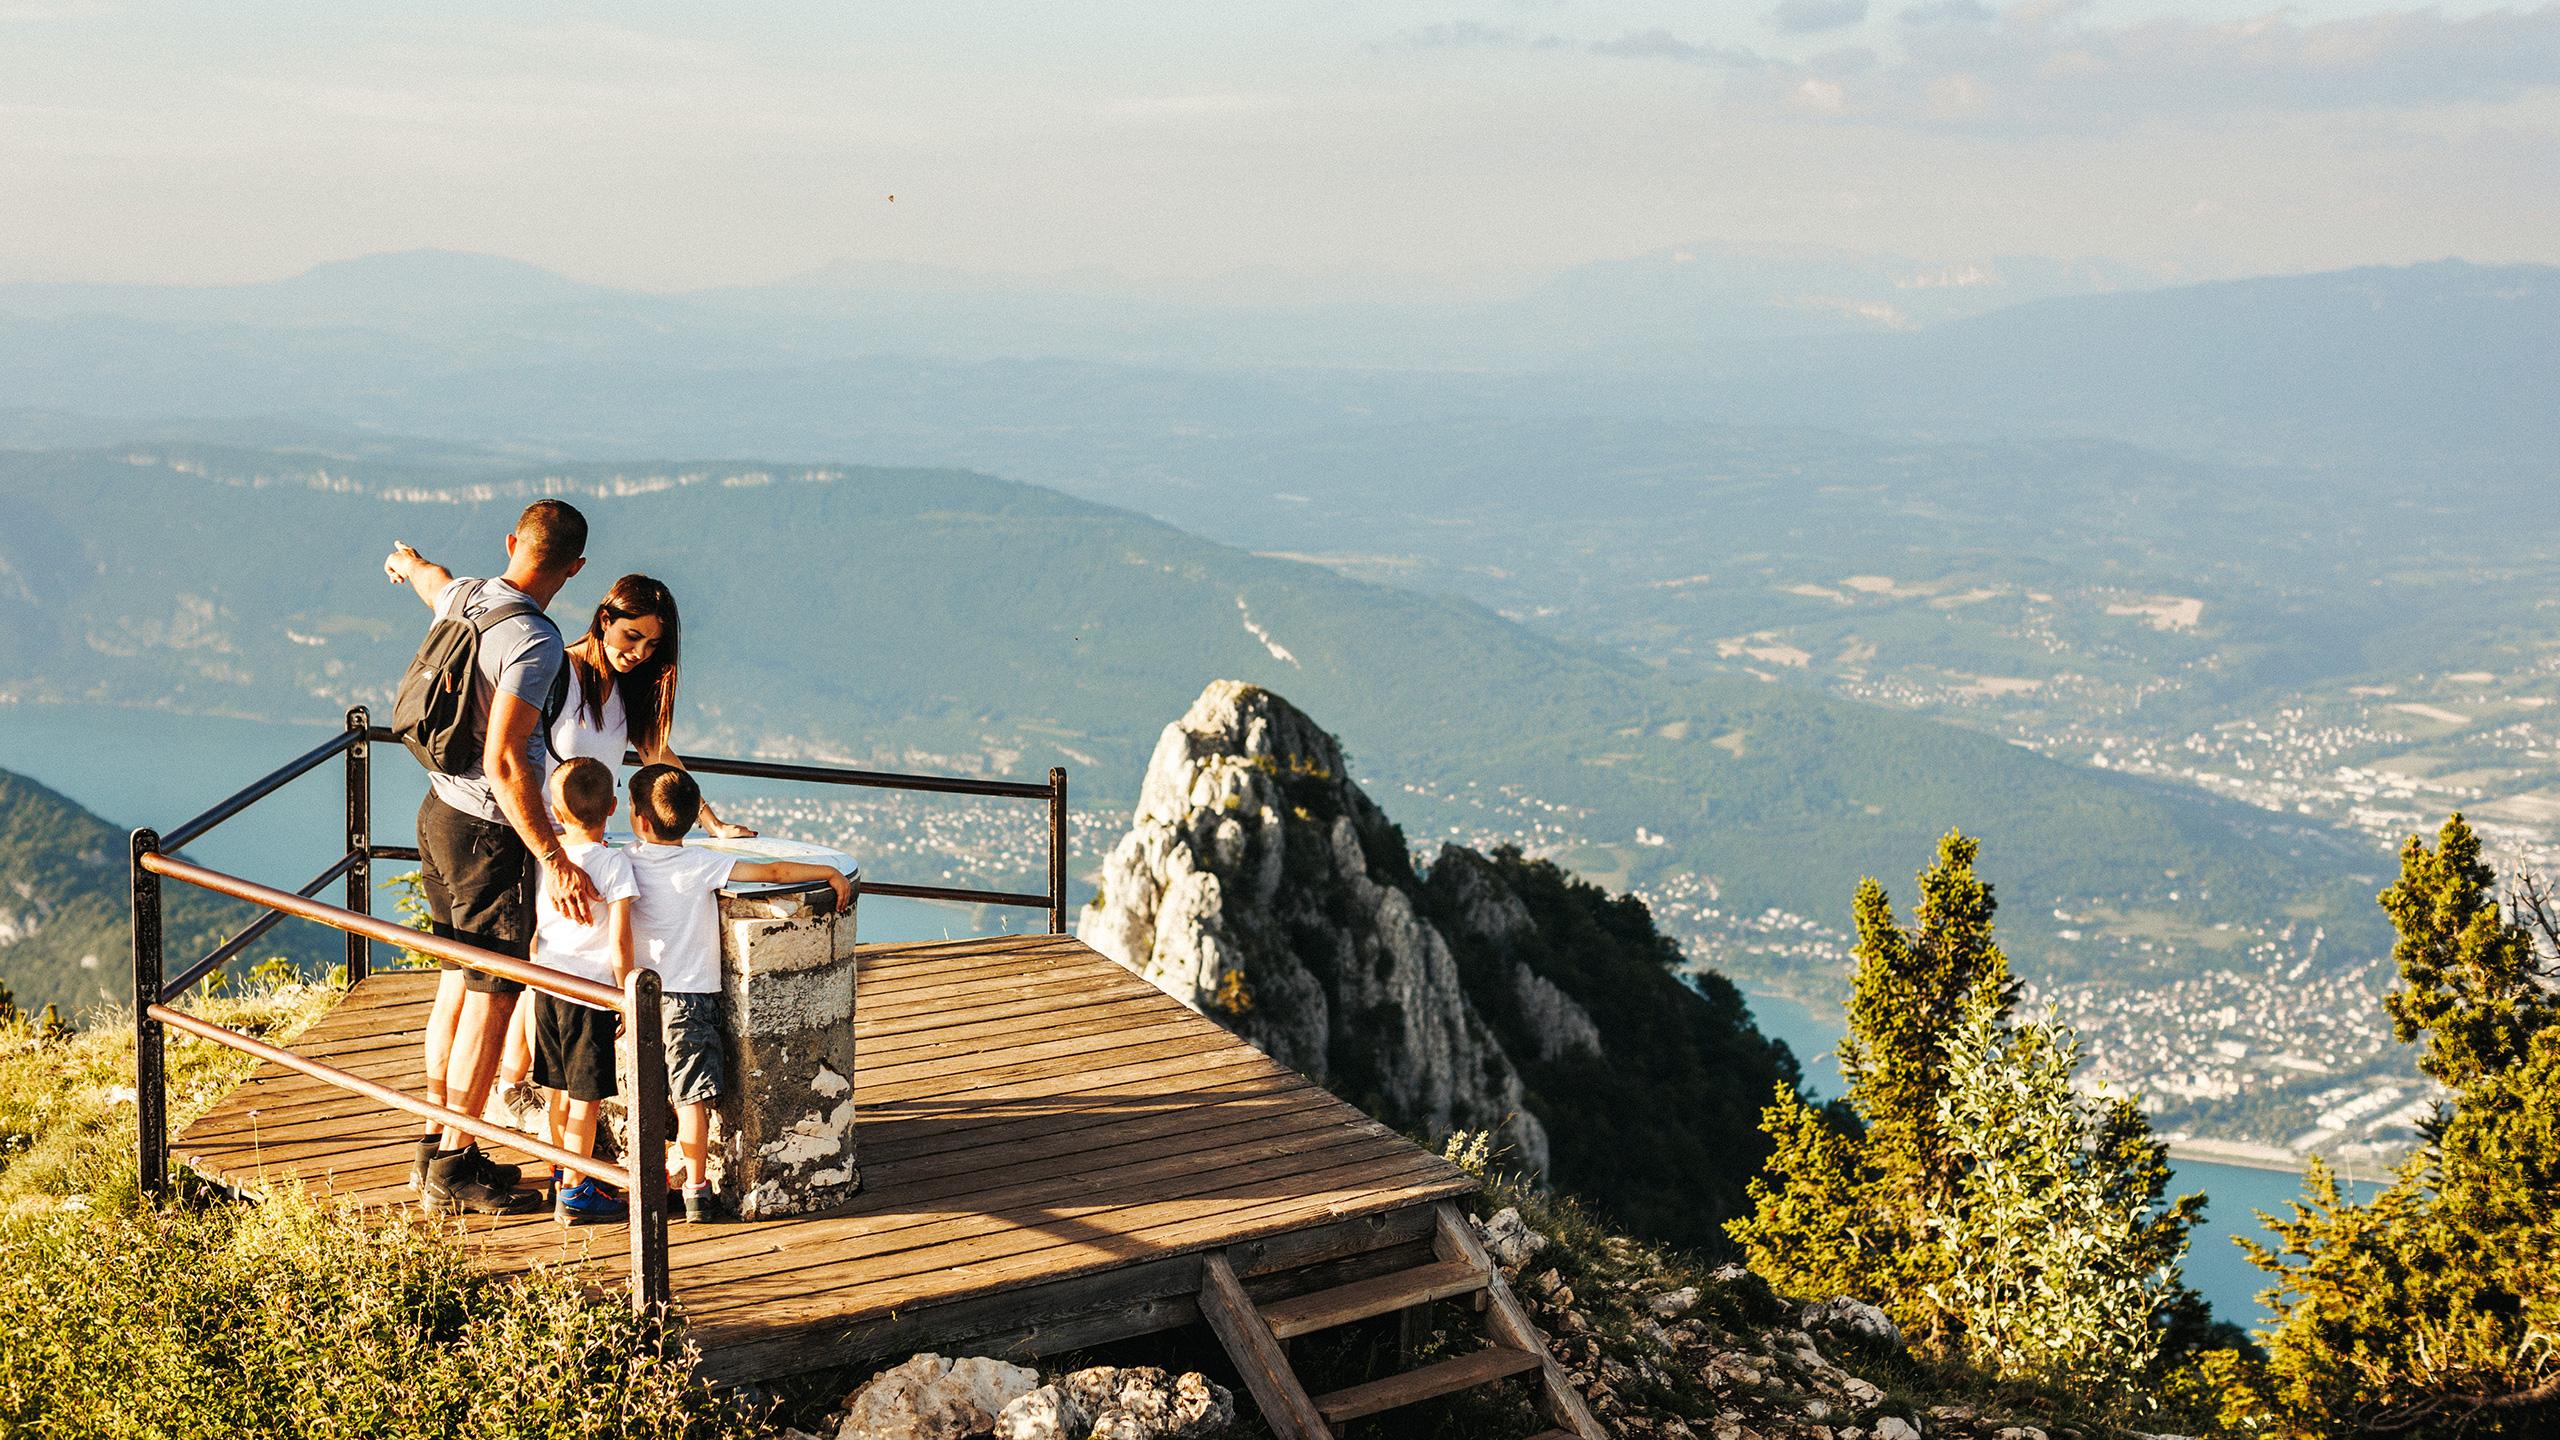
705 1207
588 1203
418 1164
499 1176
455 1187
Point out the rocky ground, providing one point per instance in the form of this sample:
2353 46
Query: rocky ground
1662 1347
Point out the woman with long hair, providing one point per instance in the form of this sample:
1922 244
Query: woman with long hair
622 694
622 685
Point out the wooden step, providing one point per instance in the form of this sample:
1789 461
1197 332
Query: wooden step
1466 1372
1361 1299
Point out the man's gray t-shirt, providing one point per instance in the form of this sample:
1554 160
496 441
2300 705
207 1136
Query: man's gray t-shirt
519 656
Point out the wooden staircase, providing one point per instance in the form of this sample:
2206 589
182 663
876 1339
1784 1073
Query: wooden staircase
1255 1337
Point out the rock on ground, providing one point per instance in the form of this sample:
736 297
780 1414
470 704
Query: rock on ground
1509 1240
1853 1319
1140 1403
932 1398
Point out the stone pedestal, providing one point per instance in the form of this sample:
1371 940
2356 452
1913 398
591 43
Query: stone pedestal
782 1137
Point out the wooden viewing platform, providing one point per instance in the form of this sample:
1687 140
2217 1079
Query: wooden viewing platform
1050 1149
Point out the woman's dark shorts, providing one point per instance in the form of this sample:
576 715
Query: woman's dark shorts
476 873
573 1047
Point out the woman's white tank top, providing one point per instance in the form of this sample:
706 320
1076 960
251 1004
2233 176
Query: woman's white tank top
573 734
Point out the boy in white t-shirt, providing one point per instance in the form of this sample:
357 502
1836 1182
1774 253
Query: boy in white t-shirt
573 1042
676 932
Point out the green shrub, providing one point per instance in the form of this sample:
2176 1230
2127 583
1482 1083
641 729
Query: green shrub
67 1099
285 1318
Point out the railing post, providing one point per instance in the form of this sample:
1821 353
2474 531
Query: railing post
648 1158
1057 850
360 839
150 1055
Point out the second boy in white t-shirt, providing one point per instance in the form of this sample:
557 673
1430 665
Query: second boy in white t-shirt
676 927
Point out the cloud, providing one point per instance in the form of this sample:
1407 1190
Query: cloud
1474 35
1663 45
1804 17
2043 66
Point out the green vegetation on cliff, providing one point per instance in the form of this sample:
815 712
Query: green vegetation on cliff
66 911
1657 1126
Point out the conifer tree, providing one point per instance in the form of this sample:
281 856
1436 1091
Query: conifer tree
1964 1187
2435 1307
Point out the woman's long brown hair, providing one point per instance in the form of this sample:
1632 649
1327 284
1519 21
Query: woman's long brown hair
648 692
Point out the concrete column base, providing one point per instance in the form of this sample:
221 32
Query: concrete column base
783 1137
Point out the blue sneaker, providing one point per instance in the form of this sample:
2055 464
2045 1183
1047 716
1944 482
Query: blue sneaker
587 1203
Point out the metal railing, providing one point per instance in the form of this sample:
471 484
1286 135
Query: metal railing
153 859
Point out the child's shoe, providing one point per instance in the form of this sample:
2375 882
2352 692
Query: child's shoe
587 1203
704 1206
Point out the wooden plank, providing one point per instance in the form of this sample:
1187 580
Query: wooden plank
991 1026
1183 1047
1179 1230
1512 1326
1038 1056
1048 1317
1285 1405
1362 1299
1111 1235
1447 1377
1064 1212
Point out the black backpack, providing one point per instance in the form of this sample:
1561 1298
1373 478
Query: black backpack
433 713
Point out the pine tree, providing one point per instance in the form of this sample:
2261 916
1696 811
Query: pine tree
1967 1190
2435 1307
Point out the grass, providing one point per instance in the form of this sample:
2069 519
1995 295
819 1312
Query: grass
287 1317
67 1098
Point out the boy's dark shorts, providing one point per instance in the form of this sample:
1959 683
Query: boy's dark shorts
573 1048
475 873
697 1049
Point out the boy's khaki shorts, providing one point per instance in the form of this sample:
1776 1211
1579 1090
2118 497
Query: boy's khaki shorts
697 1048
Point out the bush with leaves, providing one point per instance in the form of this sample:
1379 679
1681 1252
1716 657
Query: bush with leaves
2059 1258
285 1318
1963 1187
2434 1308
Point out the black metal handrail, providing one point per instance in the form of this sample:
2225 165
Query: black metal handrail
1055 792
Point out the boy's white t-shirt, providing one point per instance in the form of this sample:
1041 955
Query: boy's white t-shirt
675 924
586 950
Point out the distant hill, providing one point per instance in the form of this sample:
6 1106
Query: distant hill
2442 361
66 907
943 620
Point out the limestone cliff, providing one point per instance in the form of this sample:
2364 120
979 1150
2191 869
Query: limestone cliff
1260 886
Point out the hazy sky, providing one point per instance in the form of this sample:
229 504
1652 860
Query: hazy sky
1469 144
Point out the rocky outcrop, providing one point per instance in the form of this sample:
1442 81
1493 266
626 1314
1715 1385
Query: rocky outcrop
933 1398
929 1397
1494 992
1260 886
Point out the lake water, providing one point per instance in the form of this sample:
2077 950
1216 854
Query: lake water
2216 1267
149 767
